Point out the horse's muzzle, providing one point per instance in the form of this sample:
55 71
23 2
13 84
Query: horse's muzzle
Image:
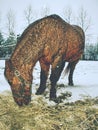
21 101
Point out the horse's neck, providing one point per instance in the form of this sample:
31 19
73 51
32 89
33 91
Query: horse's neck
25 52
25 63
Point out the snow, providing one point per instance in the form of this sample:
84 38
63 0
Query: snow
85 80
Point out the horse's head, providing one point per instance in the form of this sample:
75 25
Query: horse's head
21 89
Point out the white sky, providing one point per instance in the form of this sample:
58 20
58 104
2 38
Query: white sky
55 6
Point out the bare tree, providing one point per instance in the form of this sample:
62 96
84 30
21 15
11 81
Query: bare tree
28 12
0 16
84 21
0 19
11 21
45 11
68 14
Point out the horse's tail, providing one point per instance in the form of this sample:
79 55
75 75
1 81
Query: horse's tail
67 69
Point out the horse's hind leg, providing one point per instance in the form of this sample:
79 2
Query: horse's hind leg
71 71
43 77
54 77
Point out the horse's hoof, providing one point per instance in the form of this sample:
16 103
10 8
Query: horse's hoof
40 91
70 84
56 100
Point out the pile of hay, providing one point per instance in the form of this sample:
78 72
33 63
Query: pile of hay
81 115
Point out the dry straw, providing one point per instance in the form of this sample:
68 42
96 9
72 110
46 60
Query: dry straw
39 115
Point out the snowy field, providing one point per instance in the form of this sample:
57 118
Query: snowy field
85 80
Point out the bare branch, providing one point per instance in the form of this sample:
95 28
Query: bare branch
28 12
68 14
10 21
45 11
84 21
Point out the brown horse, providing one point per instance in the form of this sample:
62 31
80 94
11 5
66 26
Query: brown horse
51 41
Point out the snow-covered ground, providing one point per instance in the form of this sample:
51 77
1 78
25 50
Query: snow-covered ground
85 80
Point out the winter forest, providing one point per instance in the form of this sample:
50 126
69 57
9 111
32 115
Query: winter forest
9 40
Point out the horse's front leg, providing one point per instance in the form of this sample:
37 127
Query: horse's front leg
43 77
54 77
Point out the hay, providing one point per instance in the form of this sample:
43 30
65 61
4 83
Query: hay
81 115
